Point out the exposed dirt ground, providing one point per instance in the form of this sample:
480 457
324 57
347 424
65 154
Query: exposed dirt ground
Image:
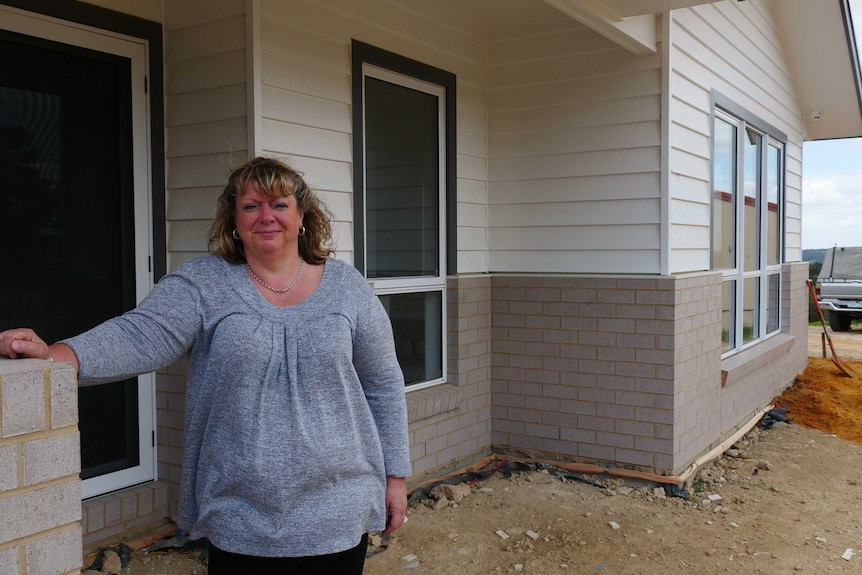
782 500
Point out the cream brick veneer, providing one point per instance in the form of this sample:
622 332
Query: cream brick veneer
40 489
628 370
451 423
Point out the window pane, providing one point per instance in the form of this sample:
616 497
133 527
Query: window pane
728 299
773 309
750 309
417 320
402 181
751 208
724 182
773 199
67 200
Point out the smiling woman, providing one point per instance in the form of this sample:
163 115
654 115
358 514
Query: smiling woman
296 442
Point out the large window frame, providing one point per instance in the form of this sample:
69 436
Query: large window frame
747 214
86 27
415 298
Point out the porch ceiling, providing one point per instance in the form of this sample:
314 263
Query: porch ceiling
823 57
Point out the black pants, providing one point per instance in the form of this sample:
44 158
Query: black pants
350 562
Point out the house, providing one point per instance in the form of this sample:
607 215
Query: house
584 217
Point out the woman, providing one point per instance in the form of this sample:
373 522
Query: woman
296 429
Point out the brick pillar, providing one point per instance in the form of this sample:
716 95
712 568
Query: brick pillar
40 463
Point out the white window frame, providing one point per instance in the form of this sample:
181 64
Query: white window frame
427 284
135 49
765 270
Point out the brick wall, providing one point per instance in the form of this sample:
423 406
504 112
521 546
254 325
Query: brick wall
451 424
584 367
40 489
627 370
170 427
123 514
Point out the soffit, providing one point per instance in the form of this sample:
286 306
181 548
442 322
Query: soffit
824 62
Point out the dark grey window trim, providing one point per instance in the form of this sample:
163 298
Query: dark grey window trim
362 53
133 26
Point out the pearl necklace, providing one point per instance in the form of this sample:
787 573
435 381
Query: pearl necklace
269 287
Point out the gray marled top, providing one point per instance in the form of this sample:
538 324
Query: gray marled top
294 415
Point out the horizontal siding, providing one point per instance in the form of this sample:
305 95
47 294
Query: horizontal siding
207 138
628 261
304 110
561 68
146 9
206 73
305 78
205 109
180 14
573 214
638 160
306 100
793 220
609 237
574 154
608 112
296 139
217 37
190 203
586 139
200 171
734 48
227 102
581 189
579 90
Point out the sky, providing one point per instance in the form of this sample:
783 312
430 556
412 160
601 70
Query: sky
832 182
832 193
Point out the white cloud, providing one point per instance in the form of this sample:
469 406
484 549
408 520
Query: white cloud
832 211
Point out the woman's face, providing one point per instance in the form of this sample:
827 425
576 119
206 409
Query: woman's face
268 226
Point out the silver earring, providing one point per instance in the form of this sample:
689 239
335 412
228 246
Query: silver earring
301 231
235 234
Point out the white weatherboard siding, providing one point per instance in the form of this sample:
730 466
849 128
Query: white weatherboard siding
205 114
574 153
736 49
306 105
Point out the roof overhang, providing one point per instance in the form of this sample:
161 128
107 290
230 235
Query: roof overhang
631 24
821 45
819 41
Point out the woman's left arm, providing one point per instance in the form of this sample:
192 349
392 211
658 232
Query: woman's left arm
383 384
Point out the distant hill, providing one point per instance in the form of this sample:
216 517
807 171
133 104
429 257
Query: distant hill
814 256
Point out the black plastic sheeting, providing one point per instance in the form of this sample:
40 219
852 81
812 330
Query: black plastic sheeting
505 467
181 540
774 416
121 549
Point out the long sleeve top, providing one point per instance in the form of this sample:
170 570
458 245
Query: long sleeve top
294 415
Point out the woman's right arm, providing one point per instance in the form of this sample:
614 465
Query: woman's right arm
152 335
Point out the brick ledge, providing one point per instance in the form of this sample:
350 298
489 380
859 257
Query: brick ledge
746 362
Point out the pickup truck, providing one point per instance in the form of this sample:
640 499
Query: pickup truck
840 282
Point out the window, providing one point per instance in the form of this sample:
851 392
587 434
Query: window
747 225
81 197
403 182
